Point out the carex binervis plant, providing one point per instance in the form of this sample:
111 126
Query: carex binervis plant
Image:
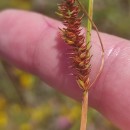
71 12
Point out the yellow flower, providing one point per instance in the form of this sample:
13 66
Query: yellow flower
74 113
41 113
25 126
27 80
3 119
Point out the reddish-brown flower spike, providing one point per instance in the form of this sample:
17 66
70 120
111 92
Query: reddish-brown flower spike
72 36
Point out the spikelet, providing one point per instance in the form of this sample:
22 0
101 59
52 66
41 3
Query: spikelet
71 34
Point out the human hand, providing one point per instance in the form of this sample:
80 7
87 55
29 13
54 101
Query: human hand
30 41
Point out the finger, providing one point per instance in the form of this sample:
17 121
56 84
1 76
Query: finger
31 42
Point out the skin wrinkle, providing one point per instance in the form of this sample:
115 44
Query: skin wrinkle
38 41
50 24
36 61
29 64
26 48
32 52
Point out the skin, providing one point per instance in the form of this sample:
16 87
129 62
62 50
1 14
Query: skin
31 42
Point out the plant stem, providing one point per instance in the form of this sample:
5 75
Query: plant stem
89 23
85 95
83 125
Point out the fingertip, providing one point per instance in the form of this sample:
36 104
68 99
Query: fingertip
21 32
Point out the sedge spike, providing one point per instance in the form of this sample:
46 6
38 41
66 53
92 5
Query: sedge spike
71 34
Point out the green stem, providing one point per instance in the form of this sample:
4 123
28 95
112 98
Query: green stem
89 23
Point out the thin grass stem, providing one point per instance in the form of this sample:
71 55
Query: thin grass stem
89 23
83 125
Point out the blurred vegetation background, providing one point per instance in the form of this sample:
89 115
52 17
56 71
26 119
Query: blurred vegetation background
26 103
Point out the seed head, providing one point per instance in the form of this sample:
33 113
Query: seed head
71 34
